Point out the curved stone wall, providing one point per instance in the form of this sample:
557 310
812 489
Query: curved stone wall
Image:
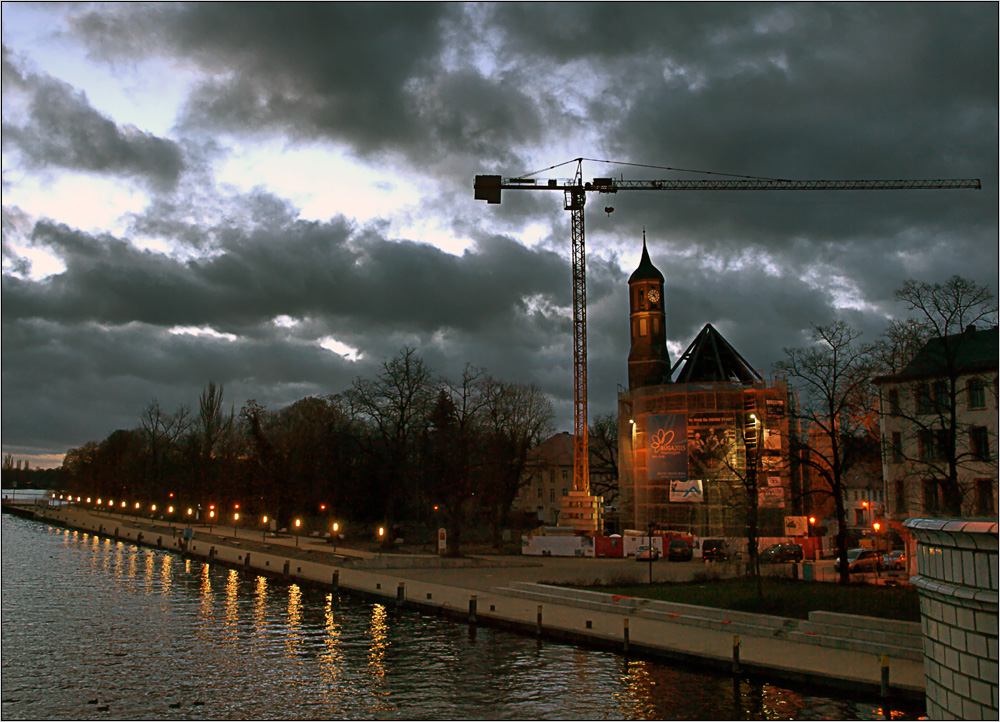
957 580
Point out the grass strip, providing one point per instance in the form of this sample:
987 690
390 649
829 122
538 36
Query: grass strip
783 597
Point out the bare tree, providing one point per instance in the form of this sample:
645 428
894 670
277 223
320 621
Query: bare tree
517 417
604 457
395 405
161 432
831 375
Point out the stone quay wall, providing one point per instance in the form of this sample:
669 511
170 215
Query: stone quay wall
957 580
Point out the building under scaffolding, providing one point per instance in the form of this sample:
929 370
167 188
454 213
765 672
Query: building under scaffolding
700 440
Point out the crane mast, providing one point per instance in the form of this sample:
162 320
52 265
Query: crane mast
490 187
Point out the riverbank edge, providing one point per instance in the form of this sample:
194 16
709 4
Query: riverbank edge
213 548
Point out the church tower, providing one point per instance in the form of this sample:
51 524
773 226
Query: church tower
648 358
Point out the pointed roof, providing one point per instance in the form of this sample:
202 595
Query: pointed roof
710 358
646 270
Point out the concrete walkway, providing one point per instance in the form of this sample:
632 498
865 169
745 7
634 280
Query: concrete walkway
520 593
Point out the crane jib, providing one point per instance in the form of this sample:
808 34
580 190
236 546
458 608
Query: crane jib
489 187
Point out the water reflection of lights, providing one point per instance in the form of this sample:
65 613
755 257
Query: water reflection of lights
206 591
260 603
293 638
166 573
231 617
378 630
150 570
332 659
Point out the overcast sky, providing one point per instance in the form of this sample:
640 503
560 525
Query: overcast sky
278 197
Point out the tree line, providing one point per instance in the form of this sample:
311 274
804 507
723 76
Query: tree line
402 449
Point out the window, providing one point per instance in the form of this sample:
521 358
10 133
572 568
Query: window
565 474
930 495
859 517
928 446
642 327
539 493
922 399
894 402
897 446
641 298
976 391
900 497
942 398
984 497
552 494
979 443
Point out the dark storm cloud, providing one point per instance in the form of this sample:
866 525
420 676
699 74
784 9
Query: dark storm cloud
367 74
282 267
61 129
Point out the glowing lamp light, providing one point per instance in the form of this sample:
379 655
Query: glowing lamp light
381 532
190 511
236 516
322 507
137 505
336 527
88 499
265 518
153 507
812 520
298 523
876 526
211 515
123 505
170 510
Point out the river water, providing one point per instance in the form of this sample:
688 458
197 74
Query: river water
96 629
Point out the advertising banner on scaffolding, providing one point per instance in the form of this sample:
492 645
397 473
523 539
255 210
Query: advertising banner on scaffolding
687 491
667 447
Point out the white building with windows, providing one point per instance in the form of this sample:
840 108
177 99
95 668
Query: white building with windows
950 384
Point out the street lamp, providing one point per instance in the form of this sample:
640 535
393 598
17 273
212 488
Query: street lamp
336 529
263 531
298 523
236 520
650 530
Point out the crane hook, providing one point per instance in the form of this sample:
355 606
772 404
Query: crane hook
609 209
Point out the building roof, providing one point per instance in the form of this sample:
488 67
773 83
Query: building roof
646 270
972 351
710 358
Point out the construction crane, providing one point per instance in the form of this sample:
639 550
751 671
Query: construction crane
489 187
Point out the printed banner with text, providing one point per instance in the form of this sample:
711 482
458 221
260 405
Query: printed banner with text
667 435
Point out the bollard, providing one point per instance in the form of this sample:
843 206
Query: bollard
736 654
538 626
473 604
335 581
885 676
625 635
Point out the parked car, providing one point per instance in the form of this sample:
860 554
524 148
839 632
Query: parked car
679 551
716 550
859 560
894 560
777 553
647 553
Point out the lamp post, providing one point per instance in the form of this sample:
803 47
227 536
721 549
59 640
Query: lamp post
650 552
263 530
236 521
298 523
381 539
336 530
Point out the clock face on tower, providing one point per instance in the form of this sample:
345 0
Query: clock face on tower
654 295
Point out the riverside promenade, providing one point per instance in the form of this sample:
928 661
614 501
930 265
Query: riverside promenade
862 655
